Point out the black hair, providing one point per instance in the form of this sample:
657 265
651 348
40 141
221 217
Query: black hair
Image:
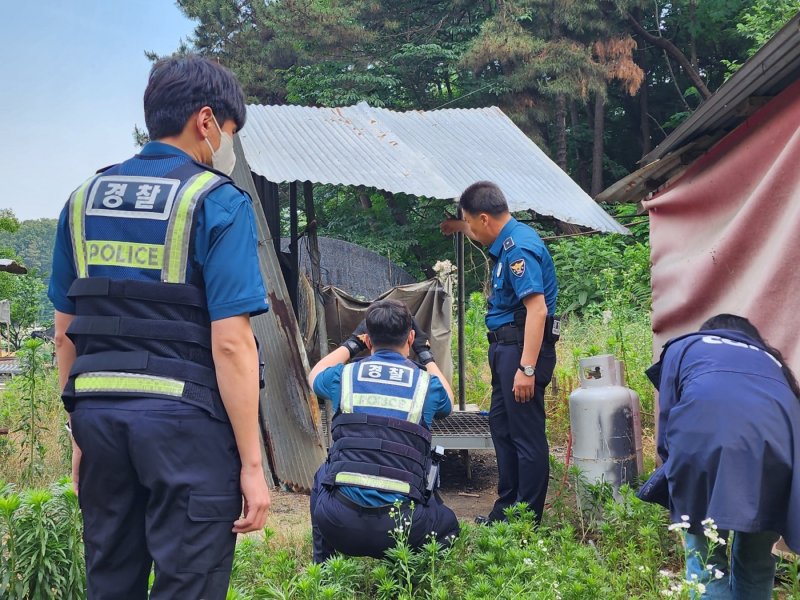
388 323
483 197
737 323
179 86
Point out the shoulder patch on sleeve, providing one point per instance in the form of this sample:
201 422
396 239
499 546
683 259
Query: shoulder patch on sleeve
518 267
508 243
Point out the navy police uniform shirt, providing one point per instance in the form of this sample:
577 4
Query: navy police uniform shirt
523 267
328 385
729 435
225 247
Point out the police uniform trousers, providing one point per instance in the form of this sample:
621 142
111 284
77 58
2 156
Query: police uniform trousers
158 483
340 525
518 430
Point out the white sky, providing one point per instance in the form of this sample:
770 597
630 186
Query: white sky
72 76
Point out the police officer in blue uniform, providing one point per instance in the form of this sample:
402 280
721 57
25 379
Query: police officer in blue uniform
381 452
522 336
729 436
155 277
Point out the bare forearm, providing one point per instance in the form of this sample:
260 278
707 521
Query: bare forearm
534 328
338 357
236 363
65 350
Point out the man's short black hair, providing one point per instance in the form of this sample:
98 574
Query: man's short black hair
483 197
179 86
388 323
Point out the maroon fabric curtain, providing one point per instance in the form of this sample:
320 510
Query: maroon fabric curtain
725 236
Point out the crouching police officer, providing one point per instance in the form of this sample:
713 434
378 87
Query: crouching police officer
381 453
522 336
155 277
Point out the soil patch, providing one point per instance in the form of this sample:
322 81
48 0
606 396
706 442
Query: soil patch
289 515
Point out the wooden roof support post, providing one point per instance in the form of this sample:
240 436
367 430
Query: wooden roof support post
462 403
316 284
294 258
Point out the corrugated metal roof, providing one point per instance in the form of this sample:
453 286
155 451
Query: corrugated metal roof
9 366
434 154
11 266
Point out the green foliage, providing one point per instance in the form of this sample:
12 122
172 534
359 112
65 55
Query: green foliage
591 267
402 228
763 18
30 243
623 553
476 347
37 449
8 222
29 306
41 557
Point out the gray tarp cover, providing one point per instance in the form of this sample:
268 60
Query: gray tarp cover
428 301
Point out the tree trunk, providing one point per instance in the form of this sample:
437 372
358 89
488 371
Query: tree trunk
364 199
399 215
675 53
646 139
644 121
580 163
561 131
597 147
692 29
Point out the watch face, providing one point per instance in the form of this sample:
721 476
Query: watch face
529 371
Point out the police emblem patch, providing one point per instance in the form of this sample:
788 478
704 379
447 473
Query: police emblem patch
517 267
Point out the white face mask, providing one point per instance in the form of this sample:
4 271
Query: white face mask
223 159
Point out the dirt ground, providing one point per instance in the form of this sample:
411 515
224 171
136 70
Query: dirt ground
289 515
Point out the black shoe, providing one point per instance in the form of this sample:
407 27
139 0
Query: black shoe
481 520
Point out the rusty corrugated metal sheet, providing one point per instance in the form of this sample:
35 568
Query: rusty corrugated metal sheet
434 154
292 417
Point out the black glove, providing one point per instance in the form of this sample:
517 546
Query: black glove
356 342
422 344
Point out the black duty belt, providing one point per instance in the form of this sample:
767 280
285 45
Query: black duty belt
365 509
513 334
508 334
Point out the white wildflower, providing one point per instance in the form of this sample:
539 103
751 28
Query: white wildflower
701 588
684 517
718 574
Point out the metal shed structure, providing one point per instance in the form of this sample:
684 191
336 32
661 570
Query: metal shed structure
723 193
432 154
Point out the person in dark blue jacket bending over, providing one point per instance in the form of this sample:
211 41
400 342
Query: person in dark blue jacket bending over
381 452
729 436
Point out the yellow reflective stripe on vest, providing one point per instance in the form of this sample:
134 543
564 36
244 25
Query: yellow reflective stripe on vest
77 227
128 382
420 392
372 481
176 252
111 253
346 400
413 406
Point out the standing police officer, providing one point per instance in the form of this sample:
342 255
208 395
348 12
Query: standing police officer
381 453
522 335
155 277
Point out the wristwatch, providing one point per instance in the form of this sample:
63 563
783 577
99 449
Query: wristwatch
529 370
